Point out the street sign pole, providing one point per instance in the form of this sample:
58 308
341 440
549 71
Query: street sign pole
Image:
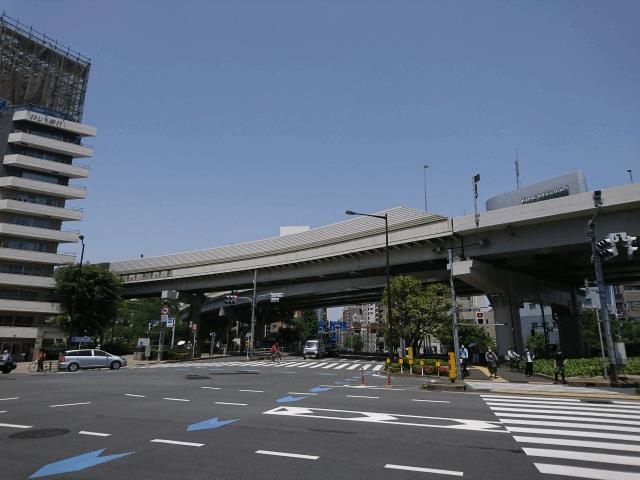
454 317
173 333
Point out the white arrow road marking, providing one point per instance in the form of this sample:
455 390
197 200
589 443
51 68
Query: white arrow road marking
388 419
422 469
285 454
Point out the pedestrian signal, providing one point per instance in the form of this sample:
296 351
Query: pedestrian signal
480 318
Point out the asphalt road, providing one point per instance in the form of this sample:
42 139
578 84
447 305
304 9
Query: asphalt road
298 420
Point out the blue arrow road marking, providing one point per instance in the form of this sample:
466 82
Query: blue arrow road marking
77 463
319 389
289 398
211 423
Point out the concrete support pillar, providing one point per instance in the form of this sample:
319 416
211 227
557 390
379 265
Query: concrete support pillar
195 307
509 335
569 328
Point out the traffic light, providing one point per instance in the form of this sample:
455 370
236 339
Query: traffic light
607 247
632 245
231 299
480 318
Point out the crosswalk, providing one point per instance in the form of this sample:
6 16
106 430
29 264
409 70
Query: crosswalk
570 437
310 365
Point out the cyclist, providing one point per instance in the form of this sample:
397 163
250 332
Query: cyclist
275 352
514 360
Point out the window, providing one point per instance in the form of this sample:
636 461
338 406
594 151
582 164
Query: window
99 353
82 353
267 329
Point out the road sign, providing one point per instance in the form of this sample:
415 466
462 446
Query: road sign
171 321
81 339
164 318
164 311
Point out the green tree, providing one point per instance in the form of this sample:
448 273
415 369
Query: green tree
416 310
307 325
98 297
355 343
535 343
134 316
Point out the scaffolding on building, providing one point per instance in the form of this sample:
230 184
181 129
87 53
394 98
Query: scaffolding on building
37 71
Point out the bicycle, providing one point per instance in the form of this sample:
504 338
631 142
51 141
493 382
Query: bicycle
276 357
33 367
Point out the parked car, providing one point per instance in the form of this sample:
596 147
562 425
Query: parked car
72 360
313 348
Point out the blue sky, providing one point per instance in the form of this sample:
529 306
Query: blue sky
219 121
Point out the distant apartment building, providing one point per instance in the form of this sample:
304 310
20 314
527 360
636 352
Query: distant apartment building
627 299
42 91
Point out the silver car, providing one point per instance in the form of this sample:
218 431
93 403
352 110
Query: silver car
72 360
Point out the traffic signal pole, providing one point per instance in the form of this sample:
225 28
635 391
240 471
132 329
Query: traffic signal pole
597 264
454 317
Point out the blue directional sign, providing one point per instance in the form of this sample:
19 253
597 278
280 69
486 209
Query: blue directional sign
289 399
211 423
75 464
80 339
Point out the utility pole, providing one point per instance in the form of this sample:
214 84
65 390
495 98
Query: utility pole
474 182
597 264
454 317
253 314
424 173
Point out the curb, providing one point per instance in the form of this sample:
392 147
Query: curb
445 387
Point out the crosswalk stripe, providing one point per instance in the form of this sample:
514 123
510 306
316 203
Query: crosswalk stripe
353 367
366 367
297 364
514 397
568 412
568 417
574 433
309 365
341 366
377 368
590 473
588 426
331 365
582 408
583 456
565 442
319 365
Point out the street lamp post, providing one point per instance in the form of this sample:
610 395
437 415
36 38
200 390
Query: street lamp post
630 172
75 293
384 217
424 172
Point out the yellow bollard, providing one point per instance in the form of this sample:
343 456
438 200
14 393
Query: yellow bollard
411 365
401 361
422 366
453 374
438 367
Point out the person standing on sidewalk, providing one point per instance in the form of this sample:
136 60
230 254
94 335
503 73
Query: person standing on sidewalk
528 358
40 358
464 358
560 366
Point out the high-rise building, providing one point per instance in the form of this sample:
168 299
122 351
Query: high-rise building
42 92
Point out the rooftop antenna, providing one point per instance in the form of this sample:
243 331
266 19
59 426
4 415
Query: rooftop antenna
517 171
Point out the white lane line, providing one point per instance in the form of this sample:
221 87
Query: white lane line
285 454
318 365
583 408
176 399
589 426
69 404
377 368
574 433
546 399
252 391
341 366
134 395
570 418
301 393
95 434
565 442
498 411
232 403
175 442
353 367
583 456
3 411
9 398
11 425
331 365
431 401
422 469
211 388
591 473
361 396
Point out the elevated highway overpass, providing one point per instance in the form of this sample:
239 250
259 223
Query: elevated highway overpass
535 252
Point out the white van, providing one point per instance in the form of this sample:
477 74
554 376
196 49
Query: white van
313 348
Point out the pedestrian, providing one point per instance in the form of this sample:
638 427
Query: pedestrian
560 366
528 358
492 361
464 357
40 358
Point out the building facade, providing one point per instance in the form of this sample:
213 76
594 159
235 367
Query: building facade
40 141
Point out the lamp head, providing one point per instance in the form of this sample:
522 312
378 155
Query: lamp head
81 237
350 212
